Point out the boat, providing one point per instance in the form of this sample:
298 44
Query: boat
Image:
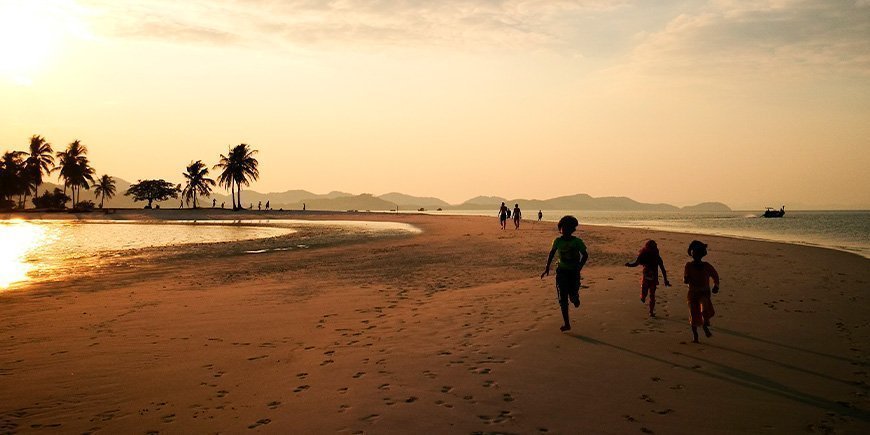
771 213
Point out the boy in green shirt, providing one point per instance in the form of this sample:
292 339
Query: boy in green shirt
572 257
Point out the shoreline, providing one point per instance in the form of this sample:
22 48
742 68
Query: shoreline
449 330
211 214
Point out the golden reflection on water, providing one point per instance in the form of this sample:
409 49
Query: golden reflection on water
19 239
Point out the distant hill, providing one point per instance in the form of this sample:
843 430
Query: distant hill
294 199
414 202
707 207
580 201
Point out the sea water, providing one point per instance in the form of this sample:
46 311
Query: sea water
44 250
841 230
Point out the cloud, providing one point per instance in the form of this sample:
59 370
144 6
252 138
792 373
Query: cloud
775 38
505 23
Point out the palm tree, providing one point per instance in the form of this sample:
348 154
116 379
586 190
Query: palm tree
105 188
238 168
12 177
198 182
75 169
39 161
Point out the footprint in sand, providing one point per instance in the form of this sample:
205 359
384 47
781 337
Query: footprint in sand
489 383
222 393
663 411
301 388
168 418
358 375
327 362
302 375
647 398
273 404
446 389
384 387
370 418
343 408
260 422
507 397
254 358
342 390
411 399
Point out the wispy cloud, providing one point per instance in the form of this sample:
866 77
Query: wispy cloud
507 23
777 38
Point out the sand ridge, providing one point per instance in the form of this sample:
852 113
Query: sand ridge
448 331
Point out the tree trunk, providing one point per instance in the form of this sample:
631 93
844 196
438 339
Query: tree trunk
239 186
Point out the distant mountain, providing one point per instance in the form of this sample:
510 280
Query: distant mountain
486 201
707 207
294 199
414 202
357 202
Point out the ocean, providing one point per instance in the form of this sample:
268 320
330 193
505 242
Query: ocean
842 230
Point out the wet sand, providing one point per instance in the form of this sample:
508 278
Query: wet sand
448 331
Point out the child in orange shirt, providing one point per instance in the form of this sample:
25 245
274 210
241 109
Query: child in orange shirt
651 261
697 275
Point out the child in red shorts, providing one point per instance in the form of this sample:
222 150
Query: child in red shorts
697 275
649 258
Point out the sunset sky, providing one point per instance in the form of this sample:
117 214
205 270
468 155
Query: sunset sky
752 103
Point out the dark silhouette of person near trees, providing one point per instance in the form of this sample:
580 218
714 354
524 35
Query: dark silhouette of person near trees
503 213
267 205
540 215
651 260
518 215
223 204
572 258
697 275
213 202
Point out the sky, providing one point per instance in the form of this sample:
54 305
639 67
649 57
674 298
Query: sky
751 103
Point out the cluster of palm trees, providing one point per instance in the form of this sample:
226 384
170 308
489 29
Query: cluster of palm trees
238 168
22 172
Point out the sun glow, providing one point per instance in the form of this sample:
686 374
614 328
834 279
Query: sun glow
33 33
19 238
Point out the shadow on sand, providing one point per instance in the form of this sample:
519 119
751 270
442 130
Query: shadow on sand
744 379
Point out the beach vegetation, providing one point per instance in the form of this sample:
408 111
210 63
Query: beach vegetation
12 180
55 200
197 183
153 190
86 205
105 188
238 168
74 169
39 162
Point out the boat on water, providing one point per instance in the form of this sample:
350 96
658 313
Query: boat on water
771 213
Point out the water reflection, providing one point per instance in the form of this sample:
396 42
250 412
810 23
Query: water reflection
20 240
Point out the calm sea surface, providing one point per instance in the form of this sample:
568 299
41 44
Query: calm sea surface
35 250
842 230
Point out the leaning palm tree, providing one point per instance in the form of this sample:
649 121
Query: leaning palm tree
198 182
39 161
75 169
104 188
239 168
225 178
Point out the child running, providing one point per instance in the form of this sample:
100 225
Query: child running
697 276
651 261
572 257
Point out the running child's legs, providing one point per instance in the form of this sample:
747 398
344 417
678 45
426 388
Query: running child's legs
568 288
648 288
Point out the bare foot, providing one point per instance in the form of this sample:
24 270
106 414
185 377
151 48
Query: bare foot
564 328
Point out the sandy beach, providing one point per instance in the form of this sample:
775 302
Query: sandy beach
446 331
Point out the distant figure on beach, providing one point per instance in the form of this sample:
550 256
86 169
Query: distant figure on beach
572 258
259 205
697 275
303 207
267 205
182 204
222 204
651 260
540 215
503 214
213 202
251 207
517 216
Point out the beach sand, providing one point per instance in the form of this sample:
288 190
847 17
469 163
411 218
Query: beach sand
447 331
